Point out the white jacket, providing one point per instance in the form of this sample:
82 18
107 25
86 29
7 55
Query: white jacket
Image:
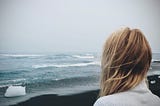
138 96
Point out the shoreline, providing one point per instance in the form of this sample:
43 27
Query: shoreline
85 98
60 92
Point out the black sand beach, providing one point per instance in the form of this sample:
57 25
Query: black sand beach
154 87
82 99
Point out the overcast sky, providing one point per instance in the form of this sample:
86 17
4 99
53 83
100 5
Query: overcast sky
42 26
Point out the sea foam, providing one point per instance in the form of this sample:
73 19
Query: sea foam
66 65
84 57
21 55
6 83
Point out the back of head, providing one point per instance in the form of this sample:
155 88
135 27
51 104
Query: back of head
125 61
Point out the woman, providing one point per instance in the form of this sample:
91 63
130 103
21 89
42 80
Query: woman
125 62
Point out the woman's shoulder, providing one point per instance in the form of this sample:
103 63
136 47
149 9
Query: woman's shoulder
103 101
129 98
110 100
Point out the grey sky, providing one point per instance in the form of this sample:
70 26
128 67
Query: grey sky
28 26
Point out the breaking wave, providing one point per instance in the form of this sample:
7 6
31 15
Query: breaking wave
66 65
84 57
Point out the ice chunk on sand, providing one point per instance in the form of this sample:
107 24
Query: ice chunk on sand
13 91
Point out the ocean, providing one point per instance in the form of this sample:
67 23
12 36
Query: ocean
58 73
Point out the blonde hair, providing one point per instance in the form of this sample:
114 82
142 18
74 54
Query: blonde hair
125 61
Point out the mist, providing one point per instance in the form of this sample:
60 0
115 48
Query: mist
46 26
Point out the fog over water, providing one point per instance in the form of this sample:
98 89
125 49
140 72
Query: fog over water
46 26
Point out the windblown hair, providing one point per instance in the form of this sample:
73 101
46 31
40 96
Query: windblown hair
125 61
